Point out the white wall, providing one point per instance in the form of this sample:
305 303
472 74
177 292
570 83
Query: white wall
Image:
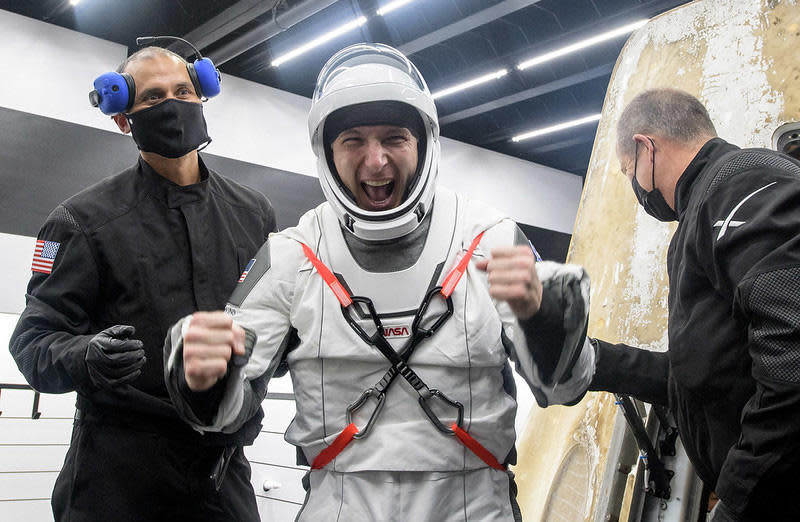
15 270
530 193
48 70
31 451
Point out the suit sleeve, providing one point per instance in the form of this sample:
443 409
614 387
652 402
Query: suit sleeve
260 304
50 340
631 371
554 340
760 260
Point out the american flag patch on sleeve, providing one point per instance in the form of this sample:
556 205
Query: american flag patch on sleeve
43 256
247 269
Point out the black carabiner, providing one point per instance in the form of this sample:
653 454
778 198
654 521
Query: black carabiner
416 325
379 396
371 313
436 394
361 308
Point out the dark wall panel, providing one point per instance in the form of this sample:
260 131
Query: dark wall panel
44 161
551 245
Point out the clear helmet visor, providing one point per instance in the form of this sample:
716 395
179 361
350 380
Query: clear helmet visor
340 72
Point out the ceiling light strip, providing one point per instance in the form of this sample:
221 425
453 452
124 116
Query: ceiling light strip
470 83
537 60
391 6
294 53
556 128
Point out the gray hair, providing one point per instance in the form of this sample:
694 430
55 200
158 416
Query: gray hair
147 53
669 113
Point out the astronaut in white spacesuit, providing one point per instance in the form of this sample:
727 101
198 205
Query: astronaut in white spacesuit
396 307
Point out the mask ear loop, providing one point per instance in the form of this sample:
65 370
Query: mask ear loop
204 146
653 160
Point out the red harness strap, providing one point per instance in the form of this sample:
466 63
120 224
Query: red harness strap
346 436
476 447
338 290
339 443
455 274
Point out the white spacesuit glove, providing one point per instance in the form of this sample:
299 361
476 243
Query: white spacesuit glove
556 335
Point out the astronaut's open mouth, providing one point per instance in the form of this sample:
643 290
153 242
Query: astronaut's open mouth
379 192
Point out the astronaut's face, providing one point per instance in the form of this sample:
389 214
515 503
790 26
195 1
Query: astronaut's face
376 163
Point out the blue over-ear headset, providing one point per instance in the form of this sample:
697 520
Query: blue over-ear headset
114 92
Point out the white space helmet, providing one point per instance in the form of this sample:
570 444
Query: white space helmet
365 73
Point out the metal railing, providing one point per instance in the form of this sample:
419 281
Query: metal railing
35 413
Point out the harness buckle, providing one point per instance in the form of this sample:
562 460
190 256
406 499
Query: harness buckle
436 394
379 397
426 330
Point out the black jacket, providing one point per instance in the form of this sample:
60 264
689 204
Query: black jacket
731 375
135 249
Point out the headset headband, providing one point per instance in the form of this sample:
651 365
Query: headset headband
114 92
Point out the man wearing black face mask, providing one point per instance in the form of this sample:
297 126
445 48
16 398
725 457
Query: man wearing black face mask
731 375
653 201
118 264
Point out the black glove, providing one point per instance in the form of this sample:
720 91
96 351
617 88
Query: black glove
112 358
